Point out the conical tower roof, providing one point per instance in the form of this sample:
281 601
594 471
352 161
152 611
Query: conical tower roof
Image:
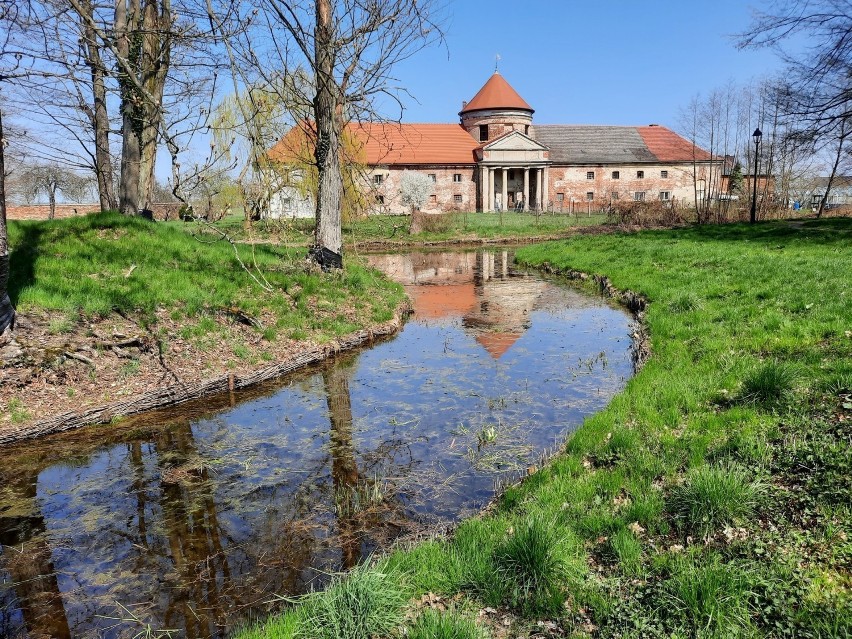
496 94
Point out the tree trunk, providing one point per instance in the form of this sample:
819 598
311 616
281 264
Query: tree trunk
7 311
841 139
131 146
99 115
51 199
154 66
327 111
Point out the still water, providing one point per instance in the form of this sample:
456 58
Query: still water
195 518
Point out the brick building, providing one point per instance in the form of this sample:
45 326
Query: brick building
496 157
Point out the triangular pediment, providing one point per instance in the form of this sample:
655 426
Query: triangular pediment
514 141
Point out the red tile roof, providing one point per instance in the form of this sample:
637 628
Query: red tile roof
384 143
388 143
496 94
668 146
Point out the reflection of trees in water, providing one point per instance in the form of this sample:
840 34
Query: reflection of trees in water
28 560
154 538
366 505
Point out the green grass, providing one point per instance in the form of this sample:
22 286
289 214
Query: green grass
394 228
103 263
431 624
711 498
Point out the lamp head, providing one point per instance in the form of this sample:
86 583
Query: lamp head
757 135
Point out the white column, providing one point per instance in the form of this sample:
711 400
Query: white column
483 187
538 180
526 188
491 184
505 190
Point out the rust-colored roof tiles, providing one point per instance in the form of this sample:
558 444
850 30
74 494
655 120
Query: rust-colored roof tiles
668 146
375 143
496 94
392 143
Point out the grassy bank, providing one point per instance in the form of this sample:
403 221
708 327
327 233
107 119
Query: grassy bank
712 498
95 265
395 228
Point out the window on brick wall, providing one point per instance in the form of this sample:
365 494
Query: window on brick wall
433 177
433 199
457 198
616 175
590 195
526 129
639 196
378 178
613 195
380 199
483 132
590 175
640 174
665 195
664 174
457 177
560 197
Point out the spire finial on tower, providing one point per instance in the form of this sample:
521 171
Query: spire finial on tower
496 62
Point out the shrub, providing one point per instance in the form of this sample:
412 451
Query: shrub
713 496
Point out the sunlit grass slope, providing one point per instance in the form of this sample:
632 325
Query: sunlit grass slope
100 263
712 498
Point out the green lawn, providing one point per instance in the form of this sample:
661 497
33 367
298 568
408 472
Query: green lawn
712 498
394 228
97 264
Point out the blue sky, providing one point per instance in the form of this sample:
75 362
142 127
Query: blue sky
591 62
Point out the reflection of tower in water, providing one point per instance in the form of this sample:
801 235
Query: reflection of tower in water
505 302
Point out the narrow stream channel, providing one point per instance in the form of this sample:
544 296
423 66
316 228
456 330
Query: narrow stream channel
192 519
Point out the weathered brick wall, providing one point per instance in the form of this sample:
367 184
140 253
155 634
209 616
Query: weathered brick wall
444 192
166 211
42 211
573 184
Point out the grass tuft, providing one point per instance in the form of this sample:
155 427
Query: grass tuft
711 598
432 624
771 382
530 567
364 603
711 497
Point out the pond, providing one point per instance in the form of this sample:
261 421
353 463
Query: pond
195 518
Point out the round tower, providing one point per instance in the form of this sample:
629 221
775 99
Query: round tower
495 110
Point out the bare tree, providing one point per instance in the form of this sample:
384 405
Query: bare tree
820 92
349 49
50 179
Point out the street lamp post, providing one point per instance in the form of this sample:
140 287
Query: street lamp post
756 135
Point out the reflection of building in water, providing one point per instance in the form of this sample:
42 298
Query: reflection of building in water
494 303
